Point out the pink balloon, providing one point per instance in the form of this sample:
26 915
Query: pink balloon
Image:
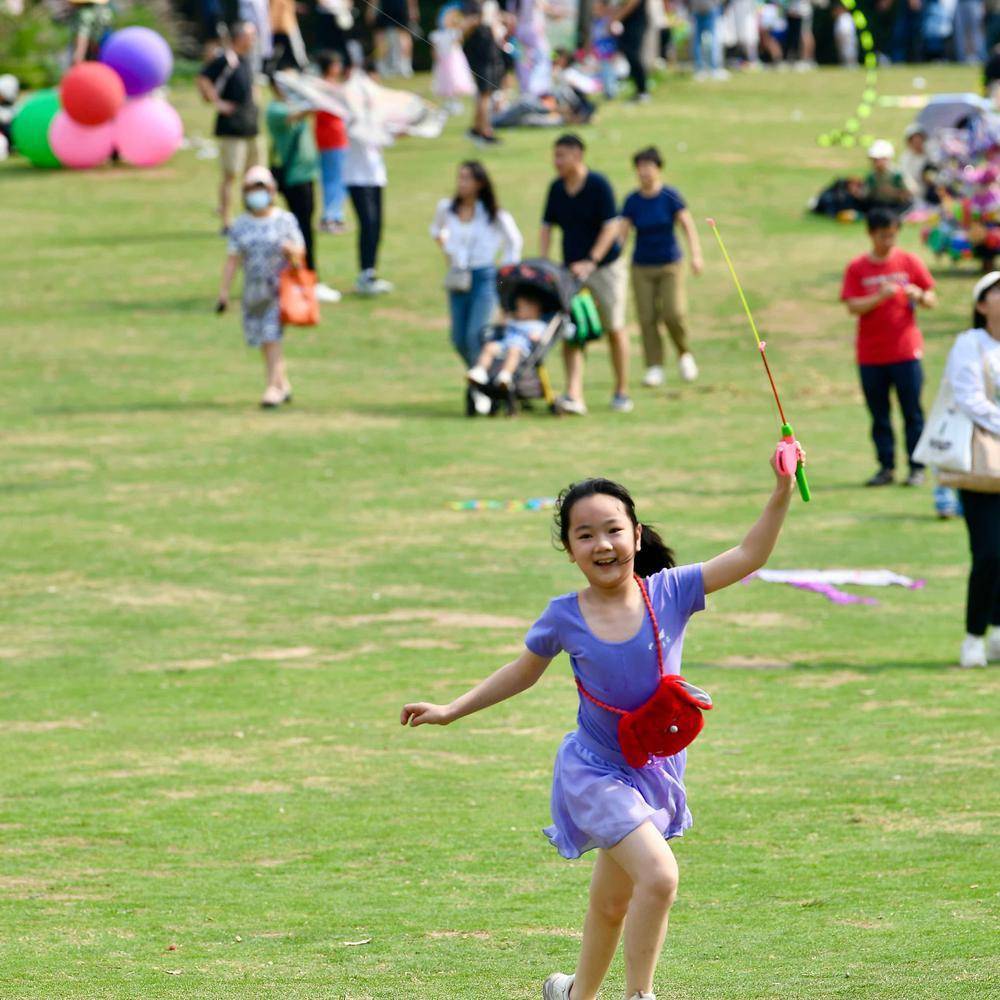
80 146
148 131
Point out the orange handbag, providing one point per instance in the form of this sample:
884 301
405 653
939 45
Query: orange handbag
297 296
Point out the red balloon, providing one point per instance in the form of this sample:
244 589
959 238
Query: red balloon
92 93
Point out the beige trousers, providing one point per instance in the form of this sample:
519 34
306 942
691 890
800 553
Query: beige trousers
660 298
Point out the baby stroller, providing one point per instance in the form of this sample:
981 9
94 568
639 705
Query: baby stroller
566 316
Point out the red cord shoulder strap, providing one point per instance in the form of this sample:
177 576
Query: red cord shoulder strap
656 640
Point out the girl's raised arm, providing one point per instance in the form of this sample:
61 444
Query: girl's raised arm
753 551
509 680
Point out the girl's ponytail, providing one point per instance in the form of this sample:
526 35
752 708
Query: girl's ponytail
653 554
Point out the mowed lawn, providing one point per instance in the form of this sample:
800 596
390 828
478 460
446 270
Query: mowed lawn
211 615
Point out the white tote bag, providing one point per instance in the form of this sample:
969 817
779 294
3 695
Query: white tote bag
946 442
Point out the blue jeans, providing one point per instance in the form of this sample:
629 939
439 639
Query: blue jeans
908 34
908 379
331 162
706 24
471 311
970 40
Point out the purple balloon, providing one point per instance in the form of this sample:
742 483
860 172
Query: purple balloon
140 57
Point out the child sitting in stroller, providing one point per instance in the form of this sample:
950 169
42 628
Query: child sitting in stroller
523 328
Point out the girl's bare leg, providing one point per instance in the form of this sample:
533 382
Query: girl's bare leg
649 862
610 892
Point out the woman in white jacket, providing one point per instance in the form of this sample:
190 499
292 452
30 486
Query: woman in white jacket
472 230
973 372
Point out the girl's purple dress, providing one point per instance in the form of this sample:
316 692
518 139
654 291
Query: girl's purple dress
597 799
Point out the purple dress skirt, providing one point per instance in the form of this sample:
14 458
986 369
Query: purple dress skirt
597 798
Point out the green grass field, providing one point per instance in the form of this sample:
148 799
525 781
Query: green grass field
212 615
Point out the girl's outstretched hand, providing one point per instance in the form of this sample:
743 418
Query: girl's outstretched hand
423 713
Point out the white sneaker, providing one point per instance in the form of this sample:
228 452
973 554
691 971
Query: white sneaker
574 406
504 379
720 74
326 294
642 996
481 403
370 285
557 986
973 652
687 367
653 378
993 645
478 375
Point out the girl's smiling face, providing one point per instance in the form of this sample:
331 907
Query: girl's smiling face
603 540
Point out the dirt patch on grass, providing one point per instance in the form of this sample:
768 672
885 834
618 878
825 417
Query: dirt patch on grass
439 618
828 680
427 644
169 597
752 663
21 886
477 935
260 655
867 925
562 932
46 726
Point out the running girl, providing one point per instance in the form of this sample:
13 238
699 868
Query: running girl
598 800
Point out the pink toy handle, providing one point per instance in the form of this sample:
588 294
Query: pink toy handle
787 456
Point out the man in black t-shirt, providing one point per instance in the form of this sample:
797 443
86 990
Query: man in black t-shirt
227 83
581 203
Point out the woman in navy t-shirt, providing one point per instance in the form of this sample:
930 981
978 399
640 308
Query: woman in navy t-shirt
657 270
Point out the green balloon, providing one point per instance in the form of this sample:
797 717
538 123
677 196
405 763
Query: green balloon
30 129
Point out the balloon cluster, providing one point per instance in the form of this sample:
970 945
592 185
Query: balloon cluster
967 223
104 106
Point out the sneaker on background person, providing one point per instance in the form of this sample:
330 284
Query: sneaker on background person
973 652
687 366
993 645
621 403
654 377
884 477
574 407
327 294
369 284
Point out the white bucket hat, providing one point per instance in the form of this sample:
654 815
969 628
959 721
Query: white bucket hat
881 149
258 175
984 284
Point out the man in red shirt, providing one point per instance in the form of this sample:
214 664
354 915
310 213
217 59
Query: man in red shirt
883 288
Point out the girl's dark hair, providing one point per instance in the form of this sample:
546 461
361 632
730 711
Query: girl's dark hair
648 155
486 193
651 557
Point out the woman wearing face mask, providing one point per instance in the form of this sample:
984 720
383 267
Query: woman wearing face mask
263 239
